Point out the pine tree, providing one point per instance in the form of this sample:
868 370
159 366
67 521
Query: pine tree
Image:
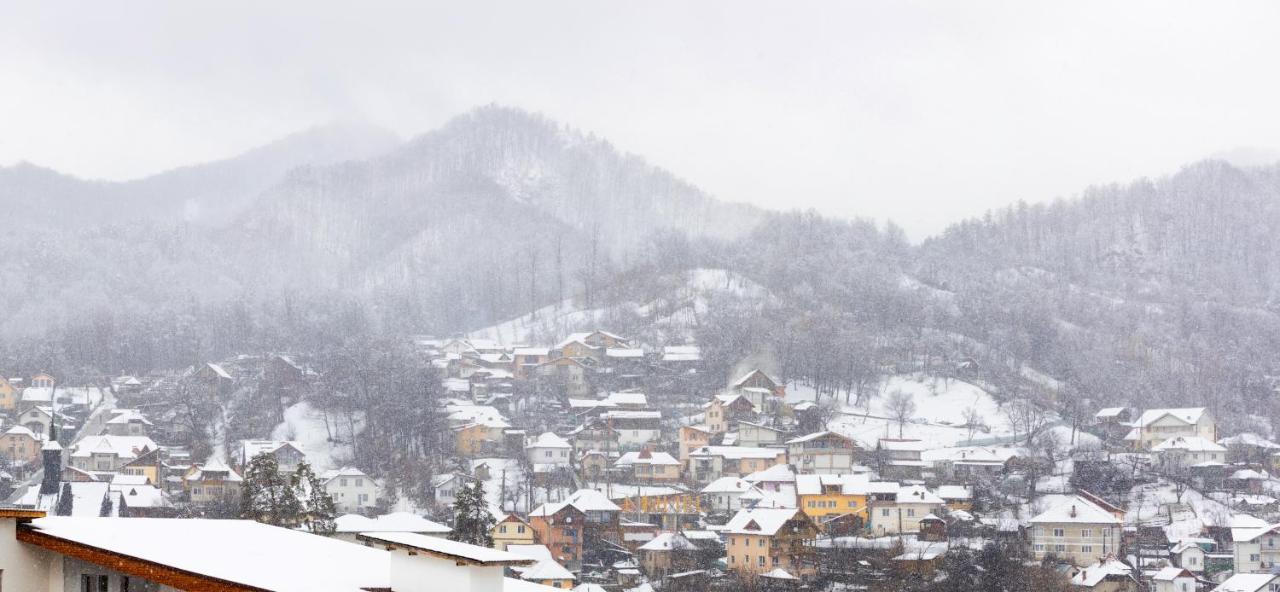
267 495
318 512
472 521
65 501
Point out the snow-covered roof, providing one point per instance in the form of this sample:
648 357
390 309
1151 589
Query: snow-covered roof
252 448
745 377
629 414
774 474
1076 509
549 440
1248 439
737 452
239 551
641 458
20 431
1189 415
681 353
393 522
446 548
815 436
903 445
1168 574
624 352
1109 412
917 494
1245 582
532 351
637 399
954 492
1245 528
975 455
1189 444
668 541
122 446
1249 474
1094 574
759 521
778 573
332 474
590 404
728 485
122 416
591 500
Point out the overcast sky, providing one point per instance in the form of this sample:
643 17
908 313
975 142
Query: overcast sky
920 112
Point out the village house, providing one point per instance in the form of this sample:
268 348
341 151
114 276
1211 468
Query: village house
725 410
666 554
128 422
109 453
1255 544
777 486
901 458
1186 451
595 434
1173 579
559 526
1190 555
512 530
763 540
348 527
822 453
445 487
1106 575
1249 582
43 381
635 428
968 464
37 419
486 435
287 454
350 488
647 466
20 445
8 395
569 374
1076 530
593 465
759 434
212 483
903 513
825 496
709 463
525 360
150 464
725 494
693 437
1157 425
549 451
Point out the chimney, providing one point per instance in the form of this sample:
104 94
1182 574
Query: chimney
1073 510
52 456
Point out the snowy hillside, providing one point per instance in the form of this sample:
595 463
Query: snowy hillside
668 318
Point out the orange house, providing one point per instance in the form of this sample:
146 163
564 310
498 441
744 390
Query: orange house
560 526
8 395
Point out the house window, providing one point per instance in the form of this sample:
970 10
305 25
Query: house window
1058 532
911 512
760 560
732 559
1061 548
1086 532
884 512
124 583
1086 548
359 482
760 542
520 529
503 529
342 482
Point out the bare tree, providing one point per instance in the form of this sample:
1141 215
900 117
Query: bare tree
901 406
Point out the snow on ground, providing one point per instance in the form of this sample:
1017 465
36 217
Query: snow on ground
305 425
1156 504
674 314
938 418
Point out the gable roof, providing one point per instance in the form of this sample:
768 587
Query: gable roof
1094 574
1076 510
1188 415
766 521
549 440
445 548
1190 444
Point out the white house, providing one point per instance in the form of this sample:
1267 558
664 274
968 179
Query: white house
724 494
109 453
1173 579
1187 451
1075 530
1250 582
550 450
350 488
288 454
903 513
1157 425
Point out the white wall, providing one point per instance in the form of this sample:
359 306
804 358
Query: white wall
26 567
423 573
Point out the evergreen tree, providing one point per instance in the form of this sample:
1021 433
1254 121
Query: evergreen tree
472 521
317 510
267 495
65 501
105 509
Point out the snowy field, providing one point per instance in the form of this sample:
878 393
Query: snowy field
938 418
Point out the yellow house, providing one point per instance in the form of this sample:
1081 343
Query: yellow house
147 464
479 437
8 395
822 496
763 540
512 530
